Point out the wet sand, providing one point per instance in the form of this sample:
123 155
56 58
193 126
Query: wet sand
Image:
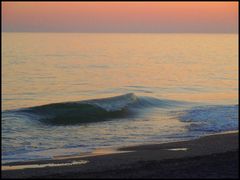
214 156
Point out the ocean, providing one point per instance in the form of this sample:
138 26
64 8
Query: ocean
72 93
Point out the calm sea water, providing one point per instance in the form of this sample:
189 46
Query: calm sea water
146 88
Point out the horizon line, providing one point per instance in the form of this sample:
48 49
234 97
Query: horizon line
120 32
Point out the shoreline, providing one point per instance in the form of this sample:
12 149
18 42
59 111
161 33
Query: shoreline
211 148
107 151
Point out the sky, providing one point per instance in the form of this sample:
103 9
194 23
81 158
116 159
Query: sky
120 17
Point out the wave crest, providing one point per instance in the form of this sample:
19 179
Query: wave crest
95 110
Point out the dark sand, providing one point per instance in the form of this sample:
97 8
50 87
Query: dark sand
214 156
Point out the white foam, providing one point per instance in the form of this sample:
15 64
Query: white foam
178 149
30 166
212 118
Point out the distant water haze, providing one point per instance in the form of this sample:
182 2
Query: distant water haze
42 68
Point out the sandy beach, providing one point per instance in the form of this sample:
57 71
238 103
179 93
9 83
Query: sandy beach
214 156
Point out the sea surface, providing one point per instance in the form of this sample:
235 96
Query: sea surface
71 93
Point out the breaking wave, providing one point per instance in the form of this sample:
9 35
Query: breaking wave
212 118
95 110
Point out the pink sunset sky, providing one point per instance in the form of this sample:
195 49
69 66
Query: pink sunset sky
200 17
